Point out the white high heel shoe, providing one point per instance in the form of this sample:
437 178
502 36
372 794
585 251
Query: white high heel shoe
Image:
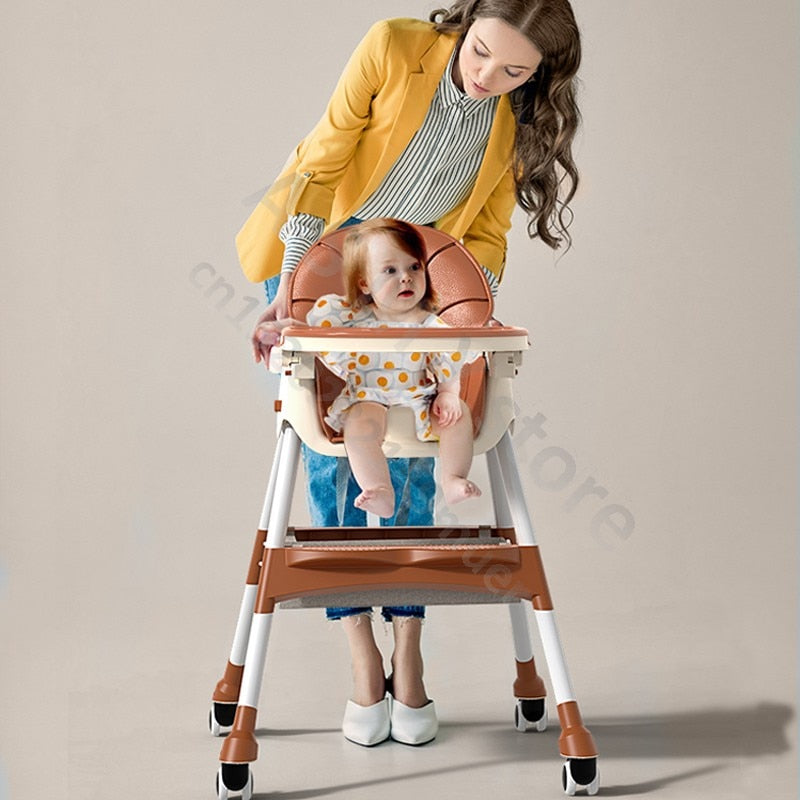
414 725
367 725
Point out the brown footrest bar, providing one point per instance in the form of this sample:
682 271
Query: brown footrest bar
336 558
397 532
509 571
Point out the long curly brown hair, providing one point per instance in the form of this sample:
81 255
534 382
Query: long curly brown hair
545 107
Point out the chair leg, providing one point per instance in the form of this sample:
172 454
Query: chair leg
502 513
226 692
575 740
514 497
529 689
240 746
503 519
281 502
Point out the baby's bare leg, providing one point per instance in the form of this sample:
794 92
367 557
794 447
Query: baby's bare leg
455 457
364 430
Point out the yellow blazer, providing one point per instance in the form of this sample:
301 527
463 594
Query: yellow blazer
379 103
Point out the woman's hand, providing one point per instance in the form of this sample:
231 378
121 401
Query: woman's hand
266 335
447 408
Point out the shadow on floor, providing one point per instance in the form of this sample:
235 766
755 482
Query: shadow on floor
707 733
267 733
722 735
382 783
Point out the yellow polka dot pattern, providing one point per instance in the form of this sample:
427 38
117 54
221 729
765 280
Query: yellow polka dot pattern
387 378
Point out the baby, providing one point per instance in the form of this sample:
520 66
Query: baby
386 286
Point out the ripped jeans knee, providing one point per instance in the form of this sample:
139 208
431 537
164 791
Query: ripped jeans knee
387 612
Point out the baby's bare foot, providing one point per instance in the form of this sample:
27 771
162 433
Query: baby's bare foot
379 501
456 489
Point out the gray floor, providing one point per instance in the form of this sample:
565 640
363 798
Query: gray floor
145 734
688 694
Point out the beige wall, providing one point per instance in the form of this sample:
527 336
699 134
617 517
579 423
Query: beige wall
136 432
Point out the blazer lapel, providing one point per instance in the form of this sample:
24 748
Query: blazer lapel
416 100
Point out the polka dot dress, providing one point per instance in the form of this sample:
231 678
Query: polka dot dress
408 379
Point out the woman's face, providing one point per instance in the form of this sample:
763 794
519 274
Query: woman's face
494 59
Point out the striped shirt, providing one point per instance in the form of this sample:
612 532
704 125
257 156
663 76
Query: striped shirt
435 172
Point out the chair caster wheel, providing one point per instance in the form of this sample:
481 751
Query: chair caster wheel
221 716
530 715
234 778
580 773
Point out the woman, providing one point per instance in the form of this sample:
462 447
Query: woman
447 123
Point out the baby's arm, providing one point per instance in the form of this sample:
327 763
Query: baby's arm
447 403
268 333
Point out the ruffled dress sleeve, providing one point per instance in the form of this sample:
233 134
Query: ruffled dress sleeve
332 311
446 366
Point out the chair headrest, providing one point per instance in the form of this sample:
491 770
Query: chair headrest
461 288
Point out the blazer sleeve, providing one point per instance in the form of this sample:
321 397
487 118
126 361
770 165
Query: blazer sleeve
326 153
485 237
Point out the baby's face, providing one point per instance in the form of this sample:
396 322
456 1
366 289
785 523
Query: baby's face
395 279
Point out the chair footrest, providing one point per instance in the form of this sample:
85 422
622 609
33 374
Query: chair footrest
374 556
430 535
509 570
398 597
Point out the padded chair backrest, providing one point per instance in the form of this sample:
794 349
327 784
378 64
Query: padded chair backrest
461 289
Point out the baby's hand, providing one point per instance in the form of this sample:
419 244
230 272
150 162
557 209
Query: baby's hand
447 408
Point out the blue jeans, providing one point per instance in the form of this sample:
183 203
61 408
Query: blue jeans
331 490
387 612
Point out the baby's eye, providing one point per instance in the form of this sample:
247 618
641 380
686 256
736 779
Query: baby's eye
390 270
416 267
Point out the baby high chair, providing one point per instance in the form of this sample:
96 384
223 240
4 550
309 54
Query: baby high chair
493 563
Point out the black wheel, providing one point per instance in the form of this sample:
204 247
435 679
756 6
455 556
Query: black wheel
580 773
224 713
241 781
530 715
235 776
